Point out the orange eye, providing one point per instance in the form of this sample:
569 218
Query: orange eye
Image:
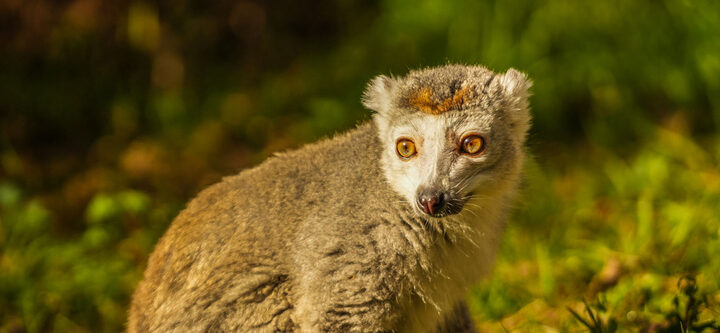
405 148
472 144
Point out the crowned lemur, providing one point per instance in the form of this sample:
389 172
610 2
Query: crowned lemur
379 229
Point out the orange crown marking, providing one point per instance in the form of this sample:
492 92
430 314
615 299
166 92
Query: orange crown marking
424 102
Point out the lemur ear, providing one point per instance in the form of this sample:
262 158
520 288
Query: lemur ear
515 84
516 90
378 94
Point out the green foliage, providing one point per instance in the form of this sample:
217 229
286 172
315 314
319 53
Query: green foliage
594 323
116 113
51 283
687 307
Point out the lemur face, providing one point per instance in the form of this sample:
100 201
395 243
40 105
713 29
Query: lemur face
450 134
438 163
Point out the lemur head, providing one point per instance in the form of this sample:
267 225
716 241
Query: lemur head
450 133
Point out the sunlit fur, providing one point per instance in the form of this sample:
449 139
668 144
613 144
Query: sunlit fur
328 238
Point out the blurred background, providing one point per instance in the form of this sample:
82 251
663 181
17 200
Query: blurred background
114 113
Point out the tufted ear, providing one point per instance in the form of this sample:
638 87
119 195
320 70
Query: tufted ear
516 91
378 94
515 84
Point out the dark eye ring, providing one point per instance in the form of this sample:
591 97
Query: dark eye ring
472 144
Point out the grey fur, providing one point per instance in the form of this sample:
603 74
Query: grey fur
321 239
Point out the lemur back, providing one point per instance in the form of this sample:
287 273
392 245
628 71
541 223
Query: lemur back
350 234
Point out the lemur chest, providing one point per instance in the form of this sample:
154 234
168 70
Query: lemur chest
444 282
443 269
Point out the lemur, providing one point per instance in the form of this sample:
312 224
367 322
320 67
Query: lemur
379 229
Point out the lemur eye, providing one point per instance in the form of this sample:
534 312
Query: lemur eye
472 144
405 148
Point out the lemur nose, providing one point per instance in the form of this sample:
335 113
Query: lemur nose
432 204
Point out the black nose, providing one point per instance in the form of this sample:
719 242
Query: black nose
431 203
